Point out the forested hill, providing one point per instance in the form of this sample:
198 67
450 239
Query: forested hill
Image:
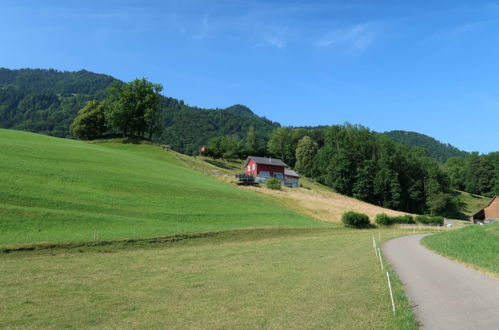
435 149
47 101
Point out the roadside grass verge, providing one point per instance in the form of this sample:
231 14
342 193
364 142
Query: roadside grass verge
475 246
296 278
60 190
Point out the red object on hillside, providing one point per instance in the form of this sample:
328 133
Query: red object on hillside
264 167
203 149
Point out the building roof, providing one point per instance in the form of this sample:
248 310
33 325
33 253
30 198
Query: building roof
265 161
291 173
493 198
481 210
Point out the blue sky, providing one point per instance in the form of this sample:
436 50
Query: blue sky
425 66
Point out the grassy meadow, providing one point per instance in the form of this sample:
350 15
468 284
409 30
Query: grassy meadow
476 246
57 190
470 204
251 278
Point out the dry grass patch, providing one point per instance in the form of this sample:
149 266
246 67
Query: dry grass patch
323 205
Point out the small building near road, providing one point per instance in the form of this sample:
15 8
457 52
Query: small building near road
489 213
262 168
291 178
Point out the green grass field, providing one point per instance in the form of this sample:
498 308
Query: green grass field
58 190
254 278
476 246
216 256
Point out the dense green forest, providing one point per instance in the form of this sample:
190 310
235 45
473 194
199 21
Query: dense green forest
475 173
434 148
367 165
47 102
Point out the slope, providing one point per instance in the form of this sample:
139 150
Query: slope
312 199
435 149
63 190
475 246
47 101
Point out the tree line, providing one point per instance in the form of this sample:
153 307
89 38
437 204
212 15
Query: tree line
475 173
357 162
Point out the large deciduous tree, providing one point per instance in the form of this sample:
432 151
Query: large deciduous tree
134 108
305 154
91 122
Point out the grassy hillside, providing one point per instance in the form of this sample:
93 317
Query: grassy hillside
63 190
470 203
248 279
312 199
476 246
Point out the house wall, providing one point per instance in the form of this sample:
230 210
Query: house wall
291 181
250 169
255 170
271 169
492 211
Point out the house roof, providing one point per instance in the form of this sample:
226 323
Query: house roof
493 199
265 161
291 173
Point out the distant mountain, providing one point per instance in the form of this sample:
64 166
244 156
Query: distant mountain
47 101
435 149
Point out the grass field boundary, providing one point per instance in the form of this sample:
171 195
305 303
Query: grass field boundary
452 245
161 241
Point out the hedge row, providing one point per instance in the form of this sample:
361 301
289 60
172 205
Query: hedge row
386 220
359 220
426 220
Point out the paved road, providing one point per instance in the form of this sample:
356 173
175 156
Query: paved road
446 295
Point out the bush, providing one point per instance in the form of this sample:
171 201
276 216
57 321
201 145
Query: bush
273 183
355 220
383 220
422 219
426 220
404 219
438 221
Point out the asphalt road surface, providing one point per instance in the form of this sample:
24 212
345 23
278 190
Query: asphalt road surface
445 294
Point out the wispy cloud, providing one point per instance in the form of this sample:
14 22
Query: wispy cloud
357 37
458 31
275 37
205 29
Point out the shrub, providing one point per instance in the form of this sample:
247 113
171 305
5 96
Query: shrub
422 219
439 221
383 220
273 183
426 220
404 219
355 220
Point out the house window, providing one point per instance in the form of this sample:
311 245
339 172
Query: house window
249 168
265 174
254 167
278 176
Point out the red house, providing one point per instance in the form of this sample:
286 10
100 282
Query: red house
263 168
